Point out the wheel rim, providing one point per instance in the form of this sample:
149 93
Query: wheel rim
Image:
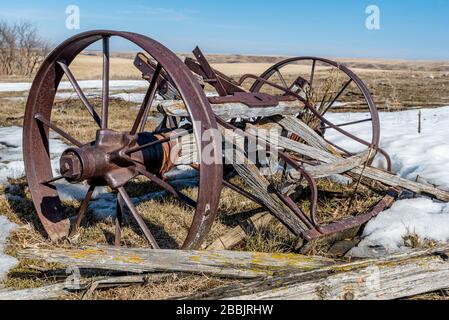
36 131
352 78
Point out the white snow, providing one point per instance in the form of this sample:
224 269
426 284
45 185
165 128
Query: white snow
85 84
425 155
427 219
6 262
422 156
130 97
11 163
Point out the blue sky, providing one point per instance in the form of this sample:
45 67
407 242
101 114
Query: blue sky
411 29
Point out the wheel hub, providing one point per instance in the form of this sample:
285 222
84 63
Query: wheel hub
106 161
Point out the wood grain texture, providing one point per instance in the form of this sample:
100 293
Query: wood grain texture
393 277
231 264
250 173
229 111
237 234
319 150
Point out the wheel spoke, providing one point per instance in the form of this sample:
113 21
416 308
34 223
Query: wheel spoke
105 105
52 180
336 97
82 210
142 116
281 77
348 123
80 92
161 183
129 203
119 220
312 73
154 143
55 128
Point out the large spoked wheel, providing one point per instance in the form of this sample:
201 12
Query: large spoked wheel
115 157
327 87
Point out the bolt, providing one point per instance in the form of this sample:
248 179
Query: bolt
70 165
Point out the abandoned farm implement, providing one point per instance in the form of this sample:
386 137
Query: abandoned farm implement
299 109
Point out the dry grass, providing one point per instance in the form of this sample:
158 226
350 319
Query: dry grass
393 83
90 68
413 240
171 287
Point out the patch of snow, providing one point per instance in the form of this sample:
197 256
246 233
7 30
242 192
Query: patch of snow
85 84
11 158
6 262
427 219
130 97
15 98
70 192
423 156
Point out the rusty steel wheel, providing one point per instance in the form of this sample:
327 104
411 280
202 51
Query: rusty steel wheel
114 158
325 86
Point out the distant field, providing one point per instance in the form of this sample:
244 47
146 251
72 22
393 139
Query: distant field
393 83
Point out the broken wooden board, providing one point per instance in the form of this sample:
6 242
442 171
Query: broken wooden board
59 290
218 263
397 276
336 167
49 292
230 111
251 174
235 236
321 152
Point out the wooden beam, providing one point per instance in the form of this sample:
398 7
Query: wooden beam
321 151
236 235
229 111
50 292
393 277
250 173
317 150
58 290
301 129
218 263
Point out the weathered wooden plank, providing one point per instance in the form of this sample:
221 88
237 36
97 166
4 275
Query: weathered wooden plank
219 263
50 292
188 155
319 150
238 234
393 277
229 111
250 173
337 167
59 290
301 129
322 154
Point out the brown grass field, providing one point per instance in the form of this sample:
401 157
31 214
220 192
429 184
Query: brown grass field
394 84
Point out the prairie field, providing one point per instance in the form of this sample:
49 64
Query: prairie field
393 83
